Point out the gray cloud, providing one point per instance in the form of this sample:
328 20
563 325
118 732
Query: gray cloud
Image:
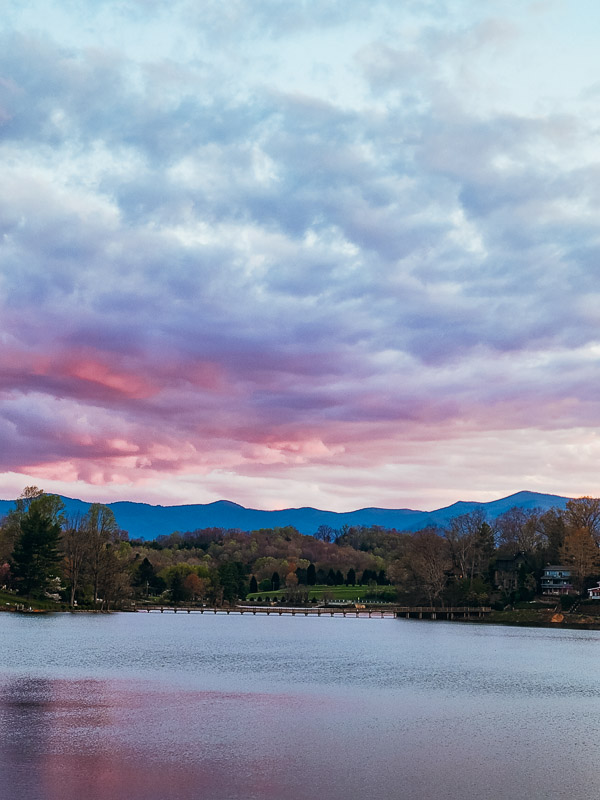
224 267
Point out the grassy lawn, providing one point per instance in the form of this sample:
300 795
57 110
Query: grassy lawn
8 600
385 594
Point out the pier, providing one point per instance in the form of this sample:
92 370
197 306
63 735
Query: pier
405 612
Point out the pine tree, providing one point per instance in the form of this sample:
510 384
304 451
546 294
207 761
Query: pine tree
36 556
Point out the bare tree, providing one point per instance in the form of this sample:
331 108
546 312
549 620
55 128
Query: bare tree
75 548
584 512
101 529
429 560
113 578
580 553
520 531
471 542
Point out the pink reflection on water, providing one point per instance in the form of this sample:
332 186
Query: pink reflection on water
67 740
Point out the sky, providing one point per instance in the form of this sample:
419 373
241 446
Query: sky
337 253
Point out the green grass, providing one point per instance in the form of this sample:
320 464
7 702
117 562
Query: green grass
386 594
7 600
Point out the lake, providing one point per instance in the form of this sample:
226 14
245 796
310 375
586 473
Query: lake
155 706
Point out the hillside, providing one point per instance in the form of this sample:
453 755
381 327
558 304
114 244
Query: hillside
146 521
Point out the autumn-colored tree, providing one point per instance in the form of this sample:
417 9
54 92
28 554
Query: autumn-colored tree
194 586
580 553
291 580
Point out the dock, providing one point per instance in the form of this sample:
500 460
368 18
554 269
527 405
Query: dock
405 612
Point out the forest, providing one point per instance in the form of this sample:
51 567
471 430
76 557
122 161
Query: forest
90 563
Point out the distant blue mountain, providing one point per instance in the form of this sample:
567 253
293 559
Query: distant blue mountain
143 521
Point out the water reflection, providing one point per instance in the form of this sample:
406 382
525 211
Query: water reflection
264 709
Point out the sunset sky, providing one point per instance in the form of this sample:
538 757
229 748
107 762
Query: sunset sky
337 253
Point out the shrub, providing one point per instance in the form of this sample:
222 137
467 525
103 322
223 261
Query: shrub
567 601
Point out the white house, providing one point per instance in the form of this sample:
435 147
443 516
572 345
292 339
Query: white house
594 592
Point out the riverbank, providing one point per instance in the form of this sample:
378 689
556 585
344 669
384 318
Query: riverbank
586 619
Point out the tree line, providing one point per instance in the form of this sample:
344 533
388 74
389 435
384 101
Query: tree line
89 561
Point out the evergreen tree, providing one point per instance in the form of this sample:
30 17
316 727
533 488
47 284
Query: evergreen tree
145 573
231 576
351 577
253 585
301 575
36 557
311 575
275 581
178 589
339 578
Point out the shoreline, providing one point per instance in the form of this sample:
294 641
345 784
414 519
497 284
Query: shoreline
521 618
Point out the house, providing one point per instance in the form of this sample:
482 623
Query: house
506 572
594 592
557 580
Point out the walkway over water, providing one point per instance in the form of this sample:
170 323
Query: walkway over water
408 612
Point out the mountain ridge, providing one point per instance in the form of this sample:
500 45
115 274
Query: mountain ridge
146 521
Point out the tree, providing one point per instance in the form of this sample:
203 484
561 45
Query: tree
291 580
232 580
471 543
253 585
100 529
114 580
301 575
553 528
325 533
5 575
74 547
584 513
178 588
520 531
25 499
351 577
36 556
48 504
194 586
145 575
311 575
429 560
275 581
580 553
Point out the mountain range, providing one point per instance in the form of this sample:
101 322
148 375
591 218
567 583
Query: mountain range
144 521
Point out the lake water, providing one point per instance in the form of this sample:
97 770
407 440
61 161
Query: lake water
155 707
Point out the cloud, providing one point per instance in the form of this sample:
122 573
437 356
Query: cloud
249 279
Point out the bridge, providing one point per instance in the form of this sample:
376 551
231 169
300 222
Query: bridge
407 612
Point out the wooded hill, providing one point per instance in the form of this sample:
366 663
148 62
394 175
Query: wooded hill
143 521
90 561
